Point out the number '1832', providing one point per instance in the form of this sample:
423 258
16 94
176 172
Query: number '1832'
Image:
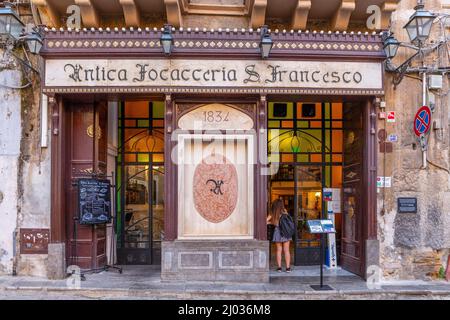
215 116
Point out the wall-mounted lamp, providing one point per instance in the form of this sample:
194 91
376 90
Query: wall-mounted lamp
34 42
419 24
11 26
12 34
167 39
391 46
418 28
266 43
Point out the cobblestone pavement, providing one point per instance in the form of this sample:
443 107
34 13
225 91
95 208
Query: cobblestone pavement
143 282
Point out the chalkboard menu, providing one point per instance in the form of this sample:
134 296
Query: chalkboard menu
94 198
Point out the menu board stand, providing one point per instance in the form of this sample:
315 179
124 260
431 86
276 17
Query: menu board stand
76 221
321 227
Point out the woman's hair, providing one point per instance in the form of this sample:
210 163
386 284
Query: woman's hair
277 209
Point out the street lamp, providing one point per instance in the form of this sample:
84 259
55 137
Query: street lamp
266 43
418 29
419 24
391 46
167 39
10 24
34 42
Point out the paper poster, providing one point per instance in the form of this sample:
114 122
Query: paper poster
330 207
337 206
336 194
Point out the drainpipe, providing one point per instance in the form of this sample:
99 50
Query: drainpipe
424 103
14 267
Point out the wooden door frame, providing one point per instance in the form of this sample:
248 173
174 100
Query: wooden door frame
58 162
368 223
259 117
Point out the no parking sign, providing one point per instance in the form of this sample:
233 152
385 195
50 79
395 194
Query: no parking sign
422 121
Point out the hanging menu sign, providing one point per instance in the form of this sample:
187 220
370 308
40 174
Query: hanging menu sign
94 200
321 226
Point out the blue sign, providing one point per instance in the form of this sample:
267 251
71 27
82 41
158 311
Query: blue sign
422 121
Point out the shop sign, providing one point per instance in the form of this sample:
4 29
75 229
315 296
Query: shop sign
212 73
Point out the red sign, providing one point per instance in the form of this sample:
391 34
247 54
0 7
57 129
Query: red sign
34 241
391 116
422 121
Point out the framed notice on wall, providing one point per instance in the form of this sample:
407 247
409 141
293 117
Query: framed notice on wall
94 201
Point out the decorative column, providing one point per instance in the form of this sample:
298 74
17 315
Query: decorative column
262 169
371 243
56 268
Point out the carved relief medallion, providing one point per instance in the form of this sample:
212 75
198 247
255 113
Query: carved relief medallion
215 187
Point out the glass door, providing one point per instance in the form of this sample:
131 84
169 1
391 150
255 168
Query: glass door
305 149
140 180
308 190
137 227
157 212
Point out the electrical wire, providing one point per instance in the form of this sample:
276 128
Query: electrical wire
438 166
15 87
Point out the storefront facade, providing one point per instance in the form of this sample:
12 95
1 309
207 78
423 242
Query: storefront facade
109 104
169 109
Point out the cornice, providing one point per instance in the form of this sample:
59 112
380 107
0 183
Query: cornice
236 43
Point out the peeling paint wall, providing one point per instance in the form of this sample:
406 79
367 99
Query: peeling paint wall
24 165
33 180
10 132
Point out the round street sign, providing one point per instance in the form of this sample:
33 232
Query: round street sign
422 121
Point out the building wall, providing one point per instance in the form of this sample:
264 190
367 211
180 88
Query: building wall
10 117
414 245
24 166
411 245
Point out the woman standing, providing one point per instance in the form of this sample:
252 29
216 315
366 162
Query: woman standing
281 243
